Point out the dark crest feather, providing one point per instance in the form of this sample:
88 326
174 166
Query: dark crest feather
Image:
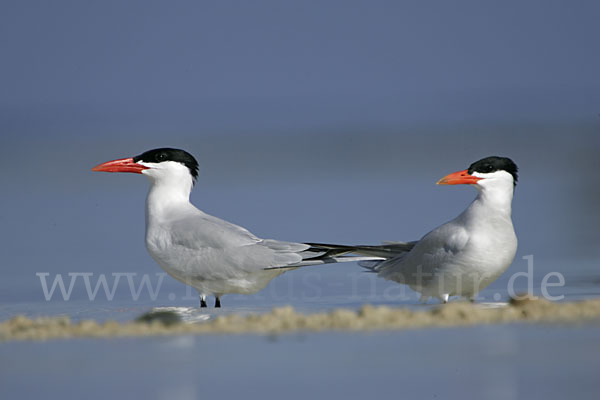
169 154
495 163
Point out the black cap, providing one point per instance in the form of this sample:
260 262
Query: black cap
494 163
168 154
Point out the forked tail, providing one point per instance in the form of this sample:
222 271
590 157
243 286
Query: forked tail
368 257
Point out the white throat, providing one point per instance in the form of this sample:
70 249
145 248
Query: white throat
493 205
496 198
170 188
495 192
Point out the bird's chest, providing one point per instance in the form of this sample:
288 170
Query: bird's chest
490 254
159 243
158 239
172 259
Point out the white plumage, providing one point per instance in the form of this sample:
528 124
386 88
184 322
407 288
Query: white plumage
465 255
212 255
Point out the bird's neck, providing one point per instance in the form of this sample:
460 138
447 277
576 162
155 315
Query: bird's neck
492 202
165 198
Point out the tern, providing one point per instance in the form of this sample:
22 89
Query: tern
212 255
465 255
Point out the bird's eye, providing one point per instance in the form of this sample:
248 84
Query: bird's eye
161 157
489 167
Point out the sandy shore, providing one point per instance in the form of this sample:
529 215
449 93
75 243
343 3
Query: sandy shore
286 319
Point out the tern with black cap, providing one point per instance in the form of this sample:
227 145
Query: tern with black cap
465 255
212 255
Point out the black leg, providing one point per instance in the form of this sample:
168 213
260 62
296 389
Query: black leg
217 302
203 301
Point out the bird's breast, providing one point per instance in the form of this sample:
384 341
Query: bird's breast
491 250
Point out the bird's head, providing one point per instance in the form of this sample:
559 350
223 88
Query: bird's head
487 172
160 165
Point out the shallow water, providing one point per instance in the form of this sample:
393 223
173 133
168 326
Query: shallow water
107 241
309 290
321 125
488 362
93 225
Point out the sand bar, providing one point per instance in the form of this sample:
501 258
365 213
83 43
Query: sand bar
286 319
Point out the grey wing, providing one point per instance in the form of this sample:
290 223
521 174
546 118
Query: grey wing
202 230
430 254
222 250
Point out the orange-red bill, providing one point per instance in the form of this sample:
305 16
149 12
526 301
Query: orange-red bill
459 178
120 165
